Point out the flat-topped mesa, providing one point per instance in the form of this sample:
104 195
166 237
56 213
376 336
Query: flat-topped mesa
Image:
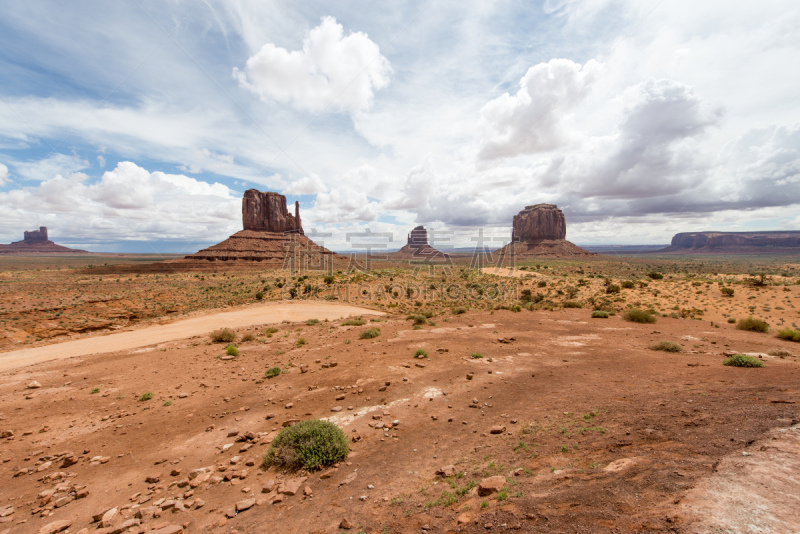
539 222
267 212
36 236
418 237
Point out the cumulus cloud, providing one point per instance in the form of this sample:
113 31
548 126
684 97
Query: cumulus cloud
532 120
344 204
3 174
307 185
332 71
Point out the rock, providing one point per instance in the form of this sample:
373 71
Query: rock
109 517
6 511
345 524
269 486
245 504
542 221
447 471
291 486
267 212
152 478
6 434
34 384
37 241
55 526
463 519
499 429
741 242
491 485
169 529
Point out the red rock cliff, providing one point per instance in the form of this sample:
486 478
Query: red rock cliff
542 221
267 212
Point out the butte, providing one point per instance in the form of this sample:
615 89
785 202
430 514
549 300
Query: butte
541 231
417 248
37 242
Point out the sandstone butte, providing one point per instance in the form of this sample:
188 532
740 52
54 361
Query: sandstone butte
37 242
419 250
541 230
270 235
775 242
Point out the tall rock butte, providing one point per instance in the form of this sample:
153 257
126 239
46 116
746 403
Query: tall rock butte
270 235
541 230
418 248
37 242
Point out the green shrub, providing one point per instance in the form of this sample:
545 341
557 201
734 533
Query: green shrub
727 291
146 396
613 288
270 331
417 318
599 314
655 276
476 355
516 308
355 321
427 313
328 279
742 360
627 284
301 341
272 372
259 295
752 324
94 390
541 283
223 335
458 310
312 322
167 403
308 445
232 350
248 337
731 320
636 315
370 333
788 333
421 353
572 304
666 346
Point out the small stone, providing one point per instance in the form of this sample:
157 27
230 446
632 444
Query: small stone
55 526
34 385
245 504
152 479
491 485
447 471
345 524
499 429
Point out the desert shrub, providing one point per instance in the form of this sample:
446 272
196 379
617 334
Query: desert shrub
476 355
613 288
627 284
542 283
742 360
666 346
259 295
516 308
248 337
232 350
779 352
731 320
655 275
312 322
752 324
427 313
301 341
727 291
418 318
355 321
223 335
370 333
599 314
572 304
636 315
421 353
146 396
272 372
789 334
308 445
328 279
458 310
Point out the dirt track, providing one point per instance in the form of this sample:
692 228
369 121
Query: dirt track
271 312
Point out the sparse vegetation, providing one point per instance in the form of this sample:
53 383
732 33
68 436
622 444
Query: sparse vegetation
370 333
232 350
223 335
727 291
272 372
146 397
789 334
655 275
309 444
301 341
355 321
743 360
94 390
421 353
636 315
666 346
752 324
599 314
476 355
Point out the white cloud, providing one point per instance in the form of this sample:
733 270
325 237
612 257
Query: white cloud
101 161
332 71
532 120
3 174
307 185
344 204
50 166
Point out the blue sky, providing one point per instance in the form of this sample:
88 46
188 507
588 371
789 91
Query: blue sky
137 125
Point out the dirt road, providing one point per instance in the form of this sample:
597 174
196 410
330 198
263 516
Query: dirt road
270 312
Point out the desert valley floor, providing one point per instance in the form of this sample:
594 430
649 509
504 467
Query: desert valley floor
589 428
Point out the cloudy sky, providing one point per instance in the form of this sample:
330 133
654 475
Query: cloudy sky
137 125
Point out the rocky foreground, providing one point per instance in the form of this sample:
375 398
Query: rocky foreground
531 421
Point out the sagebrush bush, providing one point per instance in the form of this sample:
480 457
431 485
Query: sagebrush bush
223 335
427 313
655 276
370 333
458 310
636 315
727 291
476 355
666 346
272 372
248 337
232 350
308 445
146 396
742 360
627 284
752 324
779 352
731 320
789 334
417 318
572 304
599 314
516 308
355 321
613 288
421 353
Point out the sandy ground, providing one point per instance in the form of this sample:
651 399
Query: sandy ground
266 313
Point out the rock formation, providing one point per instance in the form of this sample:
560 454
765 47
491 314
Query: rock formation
787 242
267 212
541 230
37 242
542 221
418 248
271 236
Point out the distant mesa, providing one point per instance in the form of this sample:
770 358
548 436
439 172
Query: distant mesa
541 230
271 236
37 242
418 248
777 242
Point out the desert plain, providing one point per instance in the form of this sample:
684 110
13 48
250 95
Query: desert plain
489 400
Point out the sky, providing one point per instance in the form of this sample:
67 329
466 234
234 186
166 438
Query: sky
137 125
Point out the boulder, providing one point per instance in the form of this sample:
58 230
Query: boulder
539 222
